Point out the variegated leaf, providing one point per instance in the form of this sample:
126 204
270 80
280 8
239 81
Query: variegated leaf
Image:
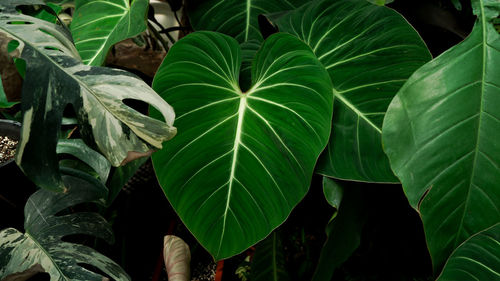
42 245
56 78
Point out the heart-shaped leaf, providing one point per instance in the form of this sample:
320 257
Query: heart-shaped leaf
369 52
478 258
243 159
441 134
99 24
236 18
55 79
42 244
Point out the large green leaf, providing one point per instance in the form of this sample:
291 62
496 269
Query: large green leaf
41 243
236 18
99 24
441 134
369 52
478 258
268 262
55 78
243 159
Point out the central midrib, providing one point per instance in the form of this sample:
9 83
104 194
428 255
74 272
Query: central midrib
237 141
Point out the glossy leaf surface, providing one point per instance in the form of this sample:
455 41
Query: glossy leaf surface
441 134
236 18
243 159
55 78
478 258
369 52
99 24
42 244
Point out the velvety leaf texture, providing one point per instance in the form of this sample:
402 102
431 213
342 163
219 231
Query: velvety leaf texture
369 52
99 24
441 134
236 18
55 78
243 159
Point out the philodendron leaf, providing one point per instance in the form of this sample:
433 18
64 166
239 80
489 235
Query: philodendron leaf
55 78
99 24
441 135
41 243
478 258
369 52
268 262
244 159
236 18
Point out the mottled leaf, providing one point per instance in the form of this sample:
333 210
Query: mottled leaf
41 244
55 78
177 258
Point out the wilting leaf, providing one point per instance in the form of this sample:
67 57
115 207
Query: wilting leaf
441 134
55 79
244 159
369 52
99 24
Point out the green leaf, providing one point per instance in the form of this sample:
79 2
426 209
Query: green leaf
236 18
369 52
79 149
441 133
46 15
244 159
457 4
4 103
55 78
333 192
268 262
478 258
99 24
42 244
380 2
344 230
121 175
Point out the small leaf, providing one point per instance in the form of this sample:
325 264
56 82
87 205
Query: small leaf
177 258
4 103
